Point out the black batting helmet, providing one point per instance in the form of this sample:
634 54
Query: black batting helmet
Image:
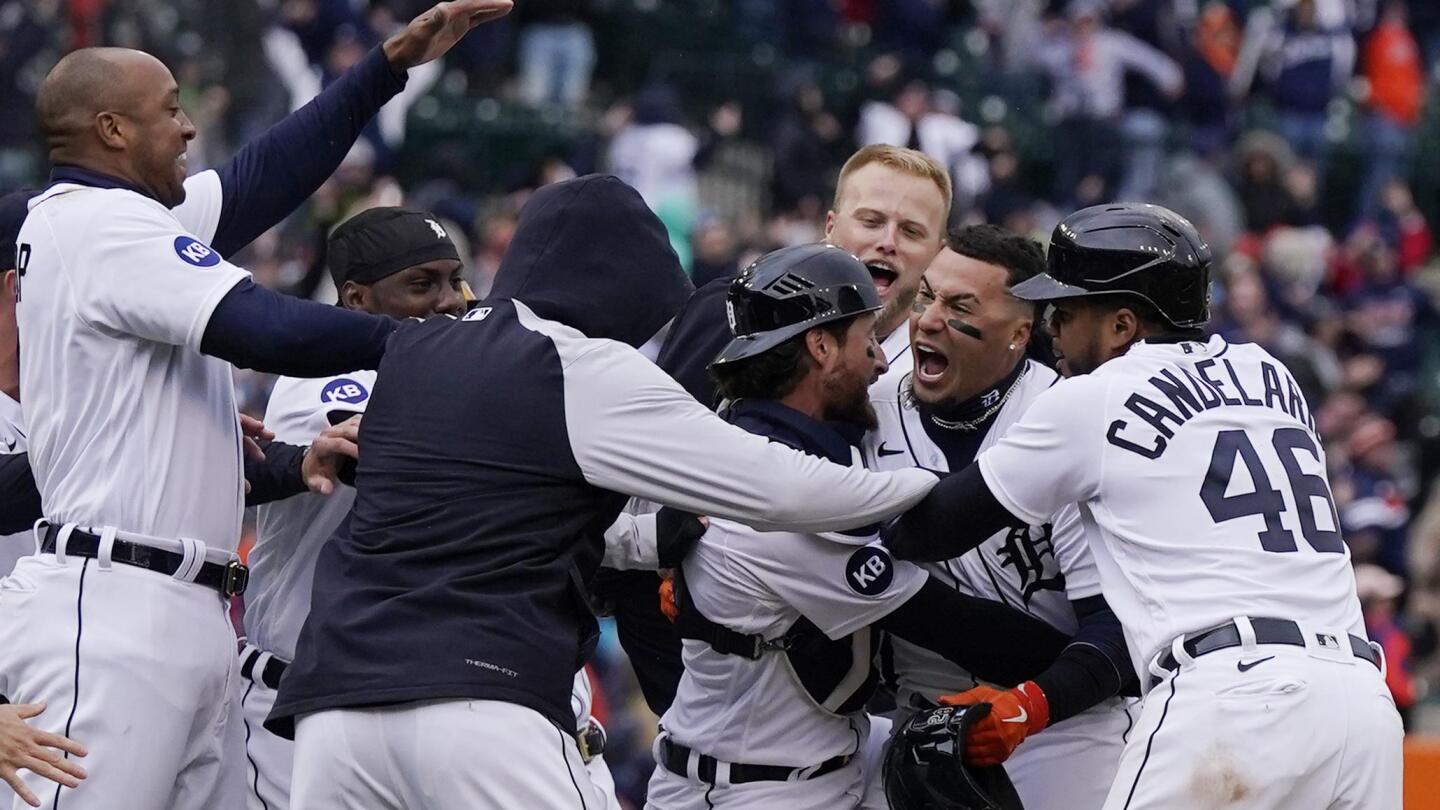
788 291
1135 249
924 767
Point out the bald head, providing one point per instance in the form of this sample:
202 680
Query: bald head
91 81
117 111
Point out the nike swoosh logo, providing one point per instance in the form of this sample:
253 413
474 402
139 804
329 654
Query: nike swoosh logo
885 451
1244 667
9 444
1019 718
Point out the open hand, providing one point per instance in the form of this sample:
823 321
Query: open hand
430 35
40 752
335 447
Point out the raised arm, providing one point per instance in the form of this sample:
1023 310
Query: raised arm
273 174
634 430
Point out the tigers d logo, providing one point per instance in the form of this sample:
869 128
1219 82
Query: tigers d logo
870 571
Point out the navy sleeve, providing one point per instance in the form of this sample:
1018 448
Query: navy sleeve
1093 667
19 497
957 515
278 476
989 639
260 329
277 171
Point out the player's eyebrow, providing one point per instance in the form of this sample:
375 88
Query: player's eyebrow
952 298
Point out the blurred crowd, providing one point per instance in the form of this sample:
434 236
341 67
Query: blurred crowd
1301 136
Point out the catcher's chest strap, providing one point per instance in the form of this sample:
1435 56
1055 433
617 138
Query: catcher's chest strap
694 625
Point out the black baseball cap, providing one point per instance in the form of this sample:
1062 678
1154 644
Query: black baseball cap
380 242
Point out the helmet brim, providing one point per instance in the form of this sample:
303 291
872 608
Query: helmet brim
1045 287
750 345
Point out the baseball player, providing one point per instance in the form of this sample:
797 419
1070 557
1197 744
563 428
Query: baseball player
779 644
390 261
964 383
17 485
1197 468
453 609
129 318
890 209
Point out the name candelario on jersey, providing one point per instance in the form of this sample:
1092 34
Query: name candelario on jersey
1212 384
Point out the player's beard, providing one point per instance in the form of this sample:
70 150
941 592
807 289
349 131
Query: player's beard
896 310
847 400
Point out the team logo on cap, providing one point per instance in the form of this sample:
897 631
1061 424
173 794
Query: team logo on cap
344 390
193 251
435 226
870 571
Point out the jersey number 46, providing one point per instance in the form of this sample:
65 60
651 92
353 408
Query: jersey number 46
1305 487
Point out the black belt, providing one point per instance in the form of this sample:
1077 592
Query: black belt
1267 631
676 759
229 579
269 675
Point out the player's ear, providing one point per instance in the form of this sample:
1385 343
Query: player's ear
8 285
110 130
821 345
353 296
1126 326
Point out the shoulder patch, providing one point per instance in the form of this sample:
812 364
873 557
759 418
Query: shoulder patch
870 571
345 390
193 251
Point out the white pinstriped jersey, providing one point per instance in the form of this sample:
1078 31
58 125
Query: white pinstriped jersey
1199 474
1039 570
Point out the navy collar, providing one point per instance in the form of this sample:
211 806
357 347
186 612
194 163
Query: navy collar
768 418
80 176
979 406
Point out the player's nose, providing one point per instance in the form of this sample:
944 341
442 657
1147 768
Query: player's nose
187 127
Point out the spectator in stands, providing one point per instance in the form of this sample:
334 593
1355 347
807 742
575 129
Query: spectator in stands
1379 592
1264 159
913 120
1386 313
1087 64
655 153
1391 63
1373 509
807 145
1209 61
1305 66
557 51
716 254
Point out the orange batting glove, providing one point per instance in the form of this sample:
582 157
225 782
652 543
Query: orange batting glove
667 600
1014 715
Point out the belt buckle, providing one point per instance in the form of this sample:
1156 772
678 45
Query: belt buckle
592 740
237 577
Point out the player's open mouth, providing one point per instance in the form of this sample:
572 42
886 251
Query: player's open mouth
883 275
930 365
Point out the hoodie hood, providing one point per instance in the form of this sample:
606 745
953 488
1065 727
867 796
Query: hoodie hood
590 254
699 333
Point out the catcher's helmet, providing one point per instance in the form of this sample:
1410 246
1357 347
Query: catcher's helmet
788 291
923 767
1135 249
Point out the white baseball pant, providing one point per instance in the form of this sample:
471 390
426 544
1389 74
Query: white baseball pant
438 755
1264 727
137 666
